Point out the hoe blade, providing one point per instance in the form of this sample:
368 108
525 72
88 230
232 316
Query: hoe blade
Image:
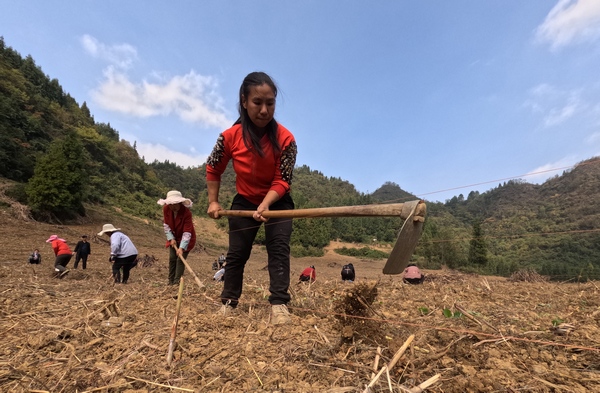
408 238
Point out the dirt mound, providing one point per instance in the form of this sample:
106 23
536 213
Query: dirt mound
84 333
527 275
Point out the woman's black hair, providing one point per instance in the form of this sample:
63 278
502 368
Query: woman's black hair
251 137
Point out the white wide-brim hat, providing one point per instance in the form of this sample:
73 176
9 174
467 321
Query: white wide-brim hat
174 197
106 228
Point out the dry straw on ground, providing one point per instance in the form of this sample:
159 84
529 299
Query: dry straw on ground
85 334
527 275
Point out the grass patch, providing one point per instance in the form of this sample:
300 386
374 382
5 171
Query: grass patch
364 252
299 251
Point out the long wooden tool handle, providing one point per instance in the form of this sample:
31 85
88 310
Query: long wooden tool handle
392 209
174 325
189 269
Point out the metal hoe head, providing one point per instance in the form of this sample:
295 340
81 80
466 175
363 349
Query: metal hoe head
408 238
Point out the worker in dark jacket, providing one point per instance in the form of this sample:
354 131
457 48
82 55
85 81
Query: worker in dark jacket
348 273
82 251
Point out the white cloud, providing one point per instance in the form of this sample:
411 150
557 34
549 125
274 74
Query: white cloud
151 152
544 89
571 21
191 97
596 113
121 55
559 115
554 105
593 138
544 172
536 95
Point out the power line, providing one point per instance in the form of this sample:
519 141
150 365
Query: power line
513 177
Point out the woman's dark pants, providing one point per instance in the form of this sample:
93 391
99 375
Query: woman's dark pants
83 258
123 263
62 261
242 232
176 266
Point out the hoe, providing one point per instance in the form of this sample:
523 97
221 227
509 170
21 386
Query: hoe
412 212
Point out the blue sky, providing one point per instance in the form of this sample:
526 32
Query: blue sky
440 97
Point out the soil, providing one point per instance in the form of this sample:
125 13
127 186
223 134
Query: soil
83 333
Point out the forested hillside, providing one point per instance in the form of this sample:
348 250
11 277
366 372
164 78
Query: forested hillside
56 160
60 157
553 227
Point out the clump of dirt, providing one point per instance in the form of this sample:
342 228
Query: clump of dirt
354 310
527 275
357 300
147 260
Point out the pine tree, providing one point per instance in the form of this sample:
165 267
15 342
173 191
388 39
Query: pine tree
86 113
478 246
57 187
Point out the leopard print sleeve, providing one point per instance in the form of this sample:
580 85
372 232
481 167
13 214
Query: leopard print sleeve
288 162
217 153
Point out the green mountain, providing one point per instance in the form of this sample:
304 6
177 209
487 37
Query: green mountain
58 160
553 227
60 156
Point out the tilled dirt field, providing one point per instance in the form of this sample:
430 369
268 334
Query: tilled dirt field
85 334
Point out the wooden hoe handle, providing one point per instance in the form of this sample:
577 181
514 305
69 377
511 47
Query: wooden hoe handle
402 210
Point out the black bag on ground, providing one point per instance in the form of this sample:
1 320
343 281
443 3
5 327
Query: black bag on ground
348 273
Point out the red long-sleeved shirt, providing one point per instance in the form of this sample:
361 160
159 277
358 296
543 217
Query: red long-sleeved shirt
60 247
309 272
180 224
255 175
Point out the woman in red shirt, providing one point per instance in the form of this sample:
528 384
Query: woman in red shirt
308 274
63 254
179 229
264 156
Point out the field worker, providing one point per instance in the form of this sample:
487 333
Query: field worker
82 251
122 252
264 156
179 229
412 275
63 255
35 258
308 274
348 273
